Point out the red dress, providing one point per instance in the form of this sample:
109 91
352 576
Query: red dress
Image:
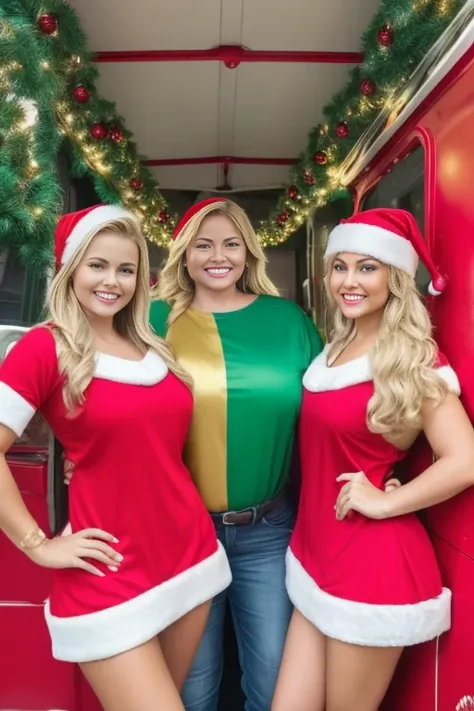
359 580
130 480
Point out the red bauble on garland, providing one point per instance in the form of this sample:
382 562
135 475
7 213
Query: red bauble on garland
320 158
293 193
81 94
163 216
48 23
116 134
99 132
368 87
342 129
282 217
136 184
385 35
309 177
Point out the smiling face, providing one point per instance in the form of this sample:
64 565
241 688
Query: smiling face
215 259
359 285
104 282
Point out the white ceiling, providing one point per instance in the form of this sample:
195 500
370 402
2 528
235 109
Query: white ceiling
200 109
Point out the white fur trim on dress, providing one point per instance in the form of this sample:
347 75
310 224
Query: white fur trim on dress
117 629
373 241
148 371
362 623
450 377
92 221
323 378
320 377
15 411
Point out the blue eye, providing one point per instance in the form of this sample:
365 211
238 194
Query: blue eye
338 268
368 267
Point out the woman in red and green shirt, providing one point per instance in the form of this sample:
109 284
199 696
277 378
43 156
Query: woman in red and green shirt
246 349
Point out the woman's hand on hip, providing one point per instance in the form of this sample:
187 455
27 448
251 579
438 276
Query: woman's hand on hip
72 551
359 494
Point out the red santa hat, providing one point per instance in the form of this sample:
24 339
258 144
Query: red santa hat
194 210
390 235
74 228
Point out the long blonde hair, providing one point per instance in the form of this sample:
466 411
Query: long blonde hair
402 359
176 287
72 332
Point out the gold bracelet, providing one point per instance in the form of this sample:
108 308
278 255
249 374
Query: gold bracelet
33 539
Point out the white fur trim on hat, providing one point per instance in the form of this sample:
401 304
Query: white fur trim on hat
373 241
92 221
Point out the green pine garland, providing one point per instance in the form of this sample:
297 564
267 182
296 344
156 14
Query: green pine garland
56 73
409 28
46 69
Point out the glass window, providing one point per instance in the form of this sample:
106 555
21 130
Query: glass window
404 188
12 287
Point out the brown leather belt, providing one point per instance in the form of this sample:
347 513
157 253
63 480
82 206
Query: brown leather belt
251 515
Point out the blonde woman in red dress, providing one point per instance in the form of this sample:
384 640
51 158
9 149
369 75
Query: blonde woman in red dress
136 568
361 570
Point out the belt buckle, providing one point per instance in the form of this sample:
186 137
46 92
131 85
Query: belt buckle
224 518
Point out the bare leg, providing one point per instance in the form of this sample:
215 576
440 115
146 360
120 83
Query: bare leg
180 641
301 682
137 680
358 677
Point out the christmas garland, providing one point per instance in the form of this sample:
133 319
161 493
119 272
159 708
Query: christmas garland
48 94
395 42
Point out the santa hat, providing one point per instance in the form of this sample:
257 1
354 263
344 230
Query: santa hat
390 235
194 210
74 228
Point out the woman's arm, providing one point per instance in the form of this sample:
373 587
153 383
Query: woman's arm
28 376
451 436
15 519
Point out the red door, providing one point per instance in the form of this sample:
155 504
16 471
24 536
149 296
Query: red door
439 676
30 678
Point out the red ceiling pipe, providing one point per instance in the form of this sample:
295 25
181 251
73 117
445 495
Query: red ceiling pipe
224 160
230 55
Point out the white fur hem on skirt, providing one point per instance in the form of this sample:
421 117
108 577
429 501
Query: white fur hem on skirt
117 629
362 623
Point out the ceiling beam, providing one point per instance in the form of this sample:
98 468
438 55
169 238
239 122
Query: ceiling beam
230 55
219 160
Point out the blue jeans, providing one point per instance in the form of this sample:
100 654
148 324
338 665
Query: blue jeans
260 610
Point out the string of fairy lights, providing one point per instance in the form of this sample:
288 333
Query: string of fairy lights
107 149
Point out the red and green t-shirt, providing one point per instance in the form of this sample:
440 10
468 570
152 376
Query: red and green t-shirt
247 366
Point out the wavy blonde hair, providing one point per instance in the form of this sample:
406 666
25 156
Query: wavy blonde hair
72 332
176 287
402 358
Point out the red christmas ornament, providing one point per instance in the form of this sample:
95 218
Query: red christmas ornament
385 36
48 23
309 177
136 184
81 94
163 216
368 87
293 193
282 217
99 131
342 129
320 158
116 134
